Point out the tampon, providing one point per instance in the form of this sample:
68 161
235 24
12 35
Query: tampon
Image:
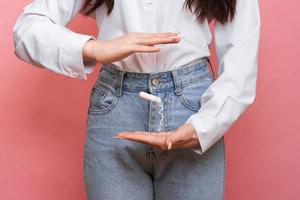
150 97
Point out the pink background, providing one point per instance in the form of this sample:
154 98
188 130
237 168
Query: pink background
43 116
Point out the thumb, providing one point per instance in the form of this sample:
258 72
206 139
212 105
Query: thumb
170 140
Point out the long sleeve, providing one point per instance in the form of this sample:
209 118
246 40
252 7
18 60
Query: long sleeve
237 45
42 39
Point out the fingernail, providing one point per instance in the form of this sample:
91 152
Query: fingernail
119 137
157 46
169 145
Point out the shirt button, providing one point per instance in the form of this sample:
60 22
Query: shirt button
155 82
149 1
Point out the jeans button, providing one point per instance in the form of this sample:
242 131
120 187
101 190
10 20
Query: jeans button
155 82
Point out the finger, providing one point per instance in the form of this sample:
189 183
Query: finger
150 138
144 48
119 137
164 133
145 137
161 34
189 144
158 40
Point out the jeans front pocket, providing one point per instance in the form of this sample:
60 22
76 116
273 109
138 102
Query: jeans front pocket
191 93
102 99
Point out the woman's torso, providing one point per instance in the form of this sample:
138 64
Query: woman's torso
155 16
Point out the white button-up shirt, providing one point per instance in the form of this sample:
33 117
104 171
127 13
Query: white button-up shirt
42 39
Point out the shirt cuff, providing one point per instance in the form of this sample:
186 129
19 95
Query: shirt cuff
197 150
71 57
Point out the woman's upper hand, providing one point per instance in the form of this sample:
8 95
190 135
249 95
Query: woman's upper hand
107 51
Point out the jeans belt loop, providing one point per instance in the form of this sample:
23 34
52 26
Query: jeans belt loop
119 85
177 82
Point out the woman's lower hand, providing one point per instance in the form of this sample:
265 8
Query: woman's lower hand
183 137
111 50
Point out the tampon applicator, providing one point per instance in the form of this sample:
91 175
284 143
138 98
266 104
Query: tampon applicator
150 97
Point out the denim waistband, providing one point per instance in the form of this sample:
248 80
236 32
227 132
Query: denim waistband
117 80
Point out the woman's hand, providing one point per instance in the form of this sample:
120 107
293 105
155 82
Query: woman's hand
183 137
120 47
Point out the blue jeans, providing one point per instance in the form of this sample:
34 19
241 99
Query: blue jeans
118 169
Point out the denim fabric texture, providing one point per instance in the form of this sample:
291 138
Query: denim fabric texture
120 169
